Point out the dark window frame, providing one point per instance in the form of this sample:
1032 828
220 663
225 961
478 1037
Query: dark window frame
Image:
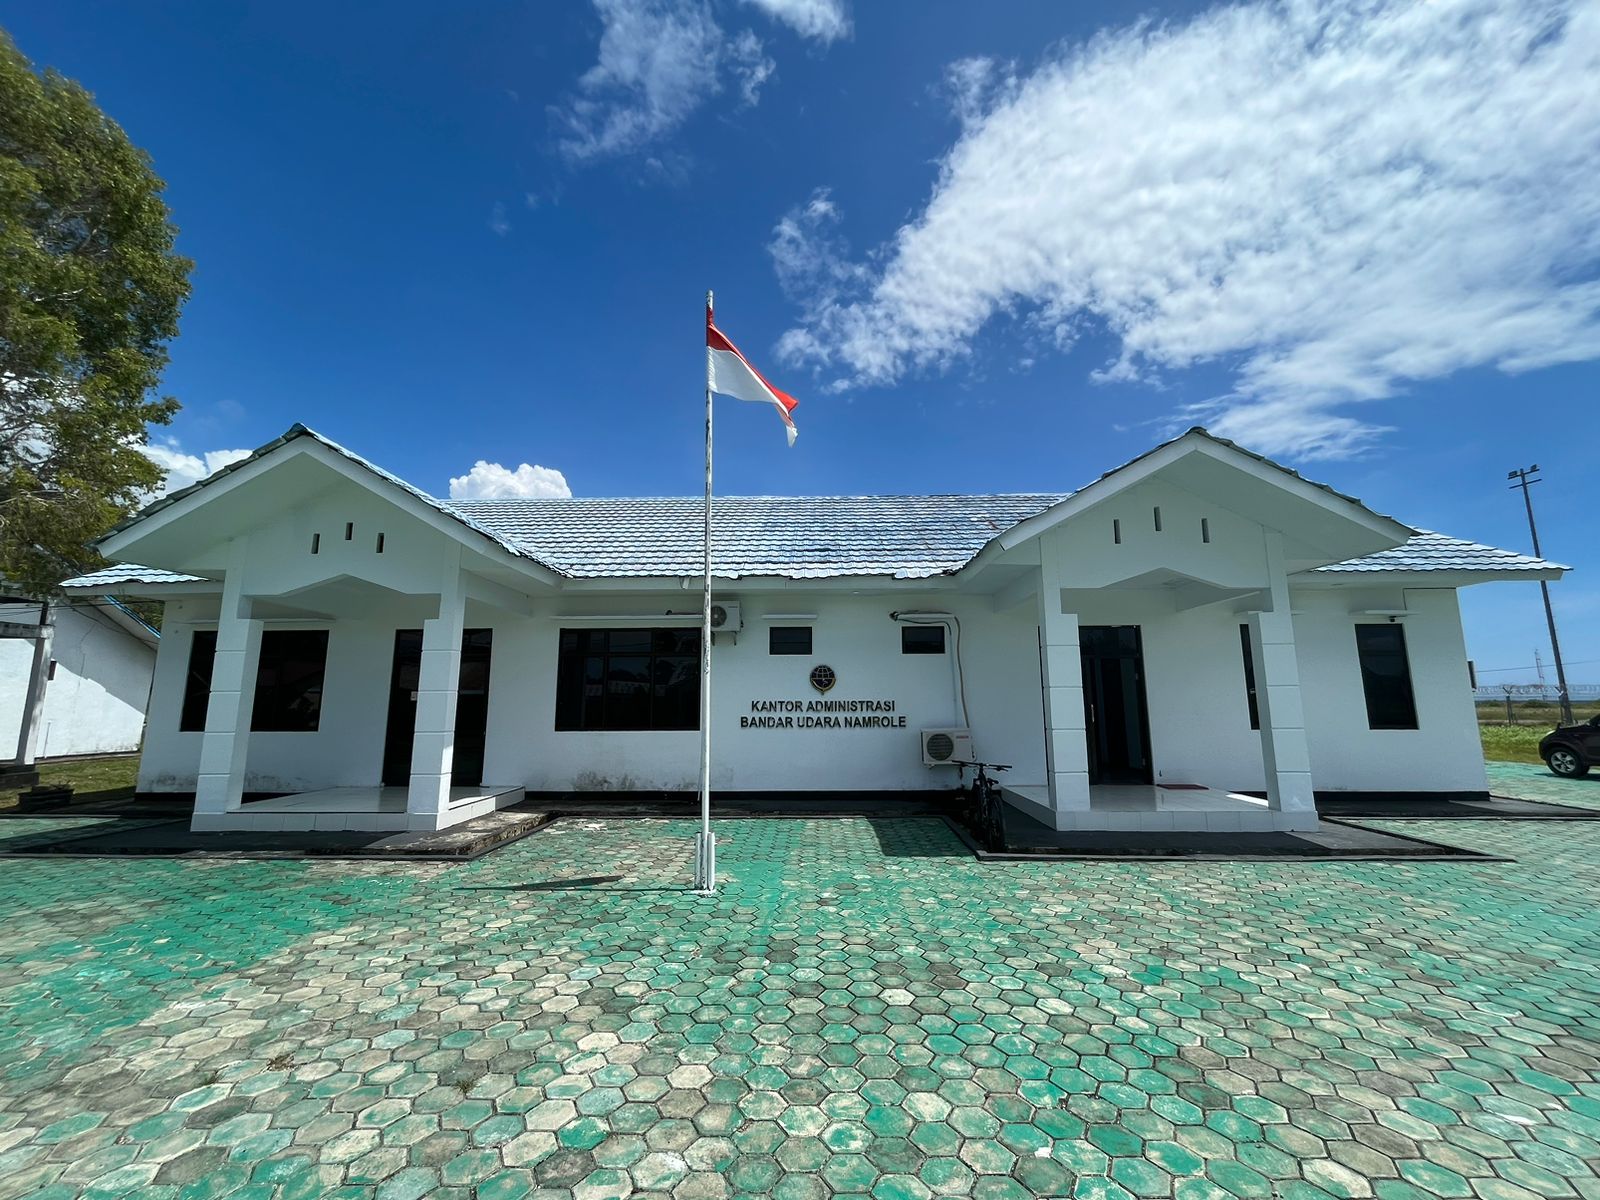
922 639
197 681
1386 681
1251 700
789 639
291 672
596 692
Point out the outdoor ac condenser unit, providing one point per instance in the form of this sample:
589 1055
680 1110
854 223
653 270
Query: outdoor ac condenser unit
726 618
940 746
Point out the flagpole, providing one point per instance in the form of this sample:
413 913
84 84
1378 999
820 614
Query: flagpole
705 874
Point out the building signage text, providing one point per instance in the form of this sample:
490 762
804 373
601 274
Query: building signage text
822 714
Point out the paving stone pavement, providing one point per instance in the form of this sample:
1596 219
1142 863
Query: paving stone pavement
1523 781
863 1010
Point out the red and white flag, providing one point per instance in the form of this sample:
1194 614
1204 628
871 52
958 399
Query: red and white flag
730 373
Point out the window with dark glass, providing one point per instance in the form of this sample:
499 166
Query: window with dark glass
197 687
789 639
1386 676
628 679
1249 677
289 681
922 639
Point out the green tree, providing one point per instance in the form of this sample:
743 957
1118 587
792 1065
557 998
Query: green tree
90 290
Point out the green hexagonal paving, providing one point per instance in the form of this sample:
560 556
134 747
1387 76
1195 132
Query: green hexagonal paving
1191 1031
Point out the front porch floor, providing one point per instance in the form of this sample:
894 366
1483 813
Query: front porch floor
340 809
1152 808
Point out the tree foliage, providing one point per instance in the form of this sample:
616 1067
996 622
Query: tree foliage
90 290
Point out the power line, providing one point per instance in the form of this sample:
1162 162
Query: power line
1580 662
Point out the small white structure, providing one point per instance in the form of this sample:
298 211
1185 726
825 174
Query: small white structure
1200 639
74 678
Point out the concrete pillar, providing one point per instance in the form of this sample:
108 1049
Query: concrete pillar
1066 738
438 683
225 745
38 680
1285 751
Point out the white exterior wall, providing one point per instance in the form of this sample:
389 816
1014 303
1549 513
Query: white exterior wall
1194 667
346 750
854 635
96 702
1443 754
1199 718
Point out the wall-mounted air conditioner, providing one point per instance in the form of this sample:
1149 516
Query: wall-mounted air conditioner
726 617
942 746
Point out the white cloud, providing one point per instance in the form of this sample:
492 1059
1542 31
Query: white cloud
825 20
488 481
499 224
1329 200
659 61
184 469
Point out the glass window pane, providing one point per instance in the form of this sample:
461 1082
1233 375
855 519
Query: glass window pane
197 686
1249 677
1386 676
289 677
789 639
654 685
922 639
677 641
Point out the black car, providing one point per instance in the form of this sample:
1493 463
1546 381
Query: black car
1570 750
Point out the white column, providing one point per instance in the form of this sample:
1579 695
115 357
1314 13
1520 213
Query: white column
1285 752
1066 739
38 680
438 683
225 745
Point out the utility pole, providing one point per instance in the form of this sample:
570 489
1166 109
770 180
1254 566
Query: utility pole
1523 482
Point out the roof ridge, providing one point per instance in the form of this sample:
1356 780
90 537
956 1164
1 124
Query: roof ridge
1047 495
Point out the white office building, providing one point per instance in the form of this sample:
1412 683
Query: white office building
1199 639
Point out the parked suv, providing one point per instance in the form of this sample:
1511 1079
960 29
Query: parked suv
1570 750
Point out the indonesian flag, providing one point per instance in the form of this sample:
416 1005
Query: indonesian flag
729 373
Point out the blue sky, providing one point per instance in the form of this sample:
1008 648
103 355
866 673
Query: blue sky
986 254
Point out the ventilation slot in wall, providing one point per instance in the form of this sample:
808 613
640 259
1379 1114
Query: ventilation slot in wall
1205 530
1158 518
380 543
1116 532
316 543
349 530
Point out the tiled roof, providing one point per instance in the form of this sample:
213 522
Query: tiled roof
1429 551
110 577
813 537
810 537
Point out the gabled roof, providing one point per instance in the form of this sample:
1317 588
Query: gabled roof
1429 551
807 537
294 433
817 537
1199 445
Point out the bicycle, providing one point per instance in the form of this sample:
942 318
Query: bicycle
986 816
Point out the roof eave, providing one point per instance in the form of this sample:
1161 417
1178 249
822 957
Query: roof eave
1439 578
146 587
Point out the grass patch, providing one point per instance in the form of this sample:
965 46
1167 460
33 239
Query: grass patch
1512 743
101 778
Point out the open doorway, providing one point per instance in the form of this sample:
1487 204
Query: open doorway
472 708
1116 717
